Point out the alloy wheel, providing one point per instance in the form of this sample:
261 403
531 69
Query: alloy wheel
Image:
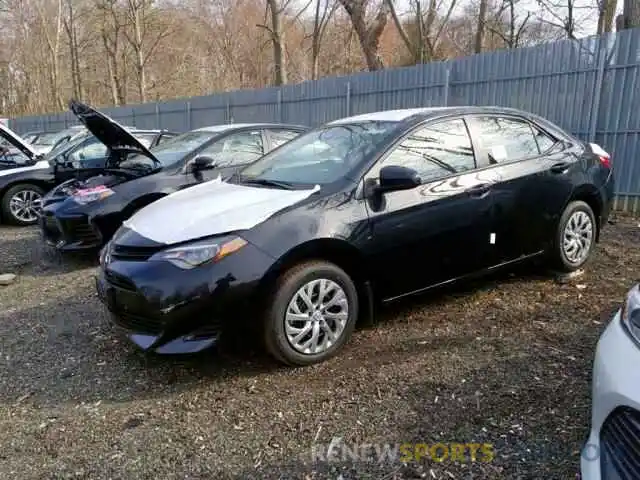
25 205
577 237
316 316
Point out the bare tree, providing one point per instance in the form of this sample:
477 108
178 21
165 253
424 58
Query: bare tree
570 15
369 33
606 15
324 10
52 35
143 38
71 29
427 35
482 18
276 30
630 17
515 26
111 32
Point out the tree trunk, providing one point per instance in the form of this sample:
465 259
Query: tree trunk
482 18
368 35
630 15
277 39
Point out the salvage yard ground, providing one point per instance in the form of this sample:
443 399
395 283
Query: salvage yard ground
505 361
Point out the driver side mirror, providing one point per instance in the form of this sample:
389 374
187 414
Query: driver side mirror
203 163
394 178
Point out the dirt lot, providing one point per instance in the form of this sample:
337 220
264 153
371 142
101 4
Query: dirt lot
504 361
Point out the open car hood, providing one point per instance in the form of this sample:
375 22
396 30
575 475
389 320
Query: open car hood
17 142
108 131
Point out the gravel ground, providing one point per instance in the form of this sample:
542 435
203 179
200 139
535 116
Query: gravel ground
505 361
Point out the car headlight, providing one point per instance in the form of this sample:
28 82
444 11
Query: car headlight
630 313
88 196
198 253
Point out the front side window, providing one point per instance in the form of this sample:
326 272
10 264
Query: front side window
92 150
506 139
435 151
320 156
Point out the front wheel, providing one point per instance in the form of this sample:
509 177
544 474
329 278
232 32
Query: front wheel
311 314
575 237
21 204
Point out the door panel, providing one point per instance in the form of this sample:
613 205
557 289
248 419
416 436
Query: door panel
431 234
528 196
439 230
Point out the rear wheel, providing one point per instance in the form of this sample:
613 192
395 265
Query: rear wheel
575 237
311 314
21 204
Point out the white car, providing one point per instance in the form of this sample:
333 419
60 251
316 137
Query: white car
612 451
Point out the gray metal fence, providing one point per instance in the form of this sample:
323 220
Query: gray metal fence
586 86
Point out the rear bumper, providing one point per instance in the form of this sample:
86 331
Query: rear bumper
607 193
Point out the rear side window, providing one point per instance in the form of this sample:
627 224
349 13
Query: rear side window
435 151
163 138
236 149
544 141
145 139
506 139
278 137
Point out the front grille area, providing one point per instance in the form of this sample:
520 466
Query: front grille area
119 281
137 324
620 445
50 228
132 254
79 229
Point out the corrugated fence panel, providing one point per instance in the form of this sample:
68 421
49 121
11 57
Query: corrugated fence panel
587 87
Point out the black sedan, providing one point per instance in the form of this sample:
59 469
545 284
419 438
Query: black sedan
81 215
362 210
23 184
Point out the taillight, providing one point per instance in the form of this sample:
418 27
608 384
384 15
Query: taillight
605 160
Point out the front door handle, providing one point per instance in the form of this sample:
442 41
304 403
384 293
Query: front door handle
560 167
479 191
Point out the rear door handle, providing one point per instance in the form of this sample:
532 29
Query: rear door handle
479 190
560 167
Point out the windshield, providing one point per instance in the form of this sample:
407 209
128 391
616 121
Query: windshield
320 156
171 151
47 139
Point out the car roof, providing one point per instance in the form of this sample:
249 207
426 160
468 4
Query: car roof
230 126
145 130
401 115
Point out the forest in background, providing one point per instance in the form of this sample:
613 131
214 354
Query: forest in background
116 52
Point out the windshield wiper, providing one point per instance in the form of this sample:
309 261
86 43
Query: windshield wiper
267 183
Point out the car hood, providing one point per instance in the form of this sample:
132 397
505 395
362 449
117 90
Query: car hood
13 138
108 131
211 208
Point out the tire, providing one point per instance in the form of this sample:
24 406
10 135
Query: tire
287 287
562 256
26 189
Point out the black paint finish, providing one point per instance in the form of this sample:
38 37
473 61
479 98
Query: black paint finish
71 226
397 242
